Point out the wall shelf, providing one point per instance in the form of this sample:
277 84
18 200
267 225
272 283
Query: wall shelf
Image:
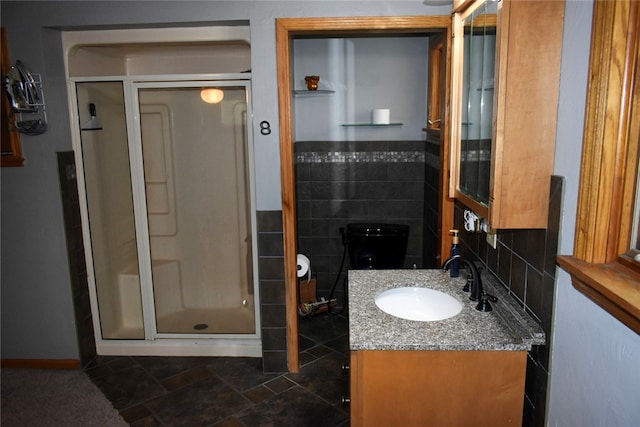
371 125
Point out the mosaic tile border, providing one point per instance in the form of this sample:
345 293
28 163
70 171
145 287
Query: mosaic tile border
367 157
475 156
360 157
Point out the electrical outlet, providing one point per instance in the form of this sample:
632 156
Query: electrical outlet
492 238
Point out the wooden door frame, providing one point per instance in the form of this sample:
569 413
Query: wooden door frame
286 29
10 135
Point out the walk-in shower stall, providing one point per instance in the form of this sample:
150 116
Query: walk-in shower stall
163 147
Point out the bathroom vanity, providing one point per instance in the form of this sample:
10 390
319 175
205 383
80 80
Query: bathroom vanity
465 370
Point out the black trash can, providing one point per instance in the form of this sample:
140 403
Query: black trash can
377 246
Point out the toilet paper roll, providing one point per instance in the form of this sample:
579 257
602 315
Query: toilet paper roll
380 116
303 266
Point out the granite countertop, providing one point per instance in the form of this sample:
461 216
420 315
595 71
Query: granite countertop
507 327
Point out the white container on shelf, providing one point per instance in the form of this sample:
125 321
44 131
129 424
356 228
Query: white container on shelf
380 116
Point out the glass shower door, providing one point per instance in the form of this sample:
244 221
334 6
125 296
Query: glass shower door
109 205
195 163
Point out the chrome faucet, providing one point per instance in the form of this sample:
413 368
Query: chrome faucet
474 282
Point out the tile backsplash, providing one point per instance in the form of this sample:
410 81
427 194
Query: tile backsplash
524 263
342 182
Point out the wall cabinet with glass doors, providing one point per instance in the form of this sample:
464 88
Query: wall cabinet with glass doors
505 75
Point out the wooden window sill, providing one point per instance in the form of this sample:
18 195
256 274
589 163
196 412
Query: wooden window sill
614 287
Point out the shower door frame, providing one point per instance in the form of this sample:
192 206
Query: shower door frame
154 343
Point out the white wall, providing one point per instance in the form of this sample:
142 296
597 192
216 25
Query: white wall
595 364
37 311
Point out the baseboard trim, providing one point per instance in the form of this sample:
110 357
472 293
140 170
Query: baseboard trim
40 363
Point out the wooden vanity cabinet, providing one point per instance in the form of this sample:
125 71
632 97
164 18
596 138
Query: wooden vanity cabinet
437 388
525 104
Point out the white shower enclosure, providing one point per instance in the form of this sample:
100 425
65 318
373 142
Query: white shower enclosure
165 179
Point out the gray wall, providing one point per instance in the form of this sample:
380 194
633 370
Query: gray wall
594 374
595 377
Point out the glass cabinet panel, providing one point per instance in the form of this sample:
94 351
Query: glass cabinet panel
476 112
505 68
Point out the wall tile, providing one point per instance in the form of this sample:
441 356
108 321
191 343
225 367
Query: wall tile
375 172
303 191
274 361
406 172
325 227
518 279
303 172
553 228
534 291
274 339
76 256
271 268
270 243
269 221
520 242
504 264
548 290
536 247
272 291
492 259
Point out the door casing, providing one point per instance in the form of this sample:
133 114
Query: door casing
286 30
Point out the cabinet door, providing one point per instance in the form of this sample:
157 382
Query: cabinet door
437 388
529 54
509 184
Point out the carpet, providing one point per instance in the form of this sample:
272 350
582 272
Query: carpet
52 398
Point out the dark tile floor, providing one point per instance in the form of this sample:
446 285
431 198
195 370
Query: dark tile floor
233 392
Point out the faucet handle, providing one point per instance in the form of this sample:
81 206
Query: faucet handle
491 297
484 304
467 286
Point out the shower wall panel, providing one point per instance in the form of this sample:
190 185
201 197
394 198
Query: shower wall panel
192 178
157 133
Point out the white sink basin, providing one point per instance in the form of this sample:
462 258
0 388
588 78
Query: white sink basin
414 303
